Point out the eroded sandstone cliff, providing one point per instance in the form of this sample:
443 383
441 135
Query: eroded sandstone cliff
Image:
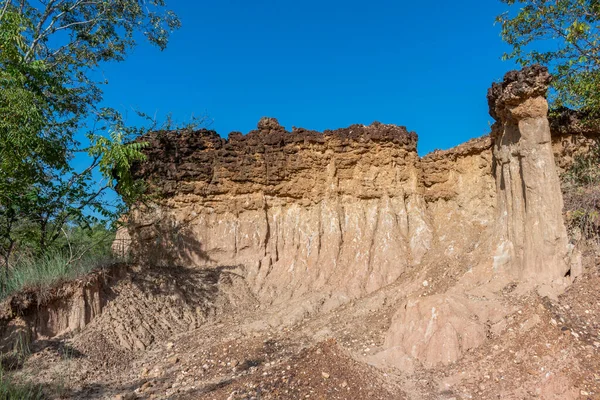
313 220
300 212
280 264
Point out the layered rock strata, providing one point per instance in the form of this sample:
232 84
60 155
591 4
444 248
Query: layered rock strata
312 220
299 212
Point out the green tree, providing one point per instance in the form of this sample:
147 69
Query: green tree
565 36
48 99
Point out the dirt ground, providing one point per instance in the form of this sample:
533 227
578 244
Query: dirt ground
546 349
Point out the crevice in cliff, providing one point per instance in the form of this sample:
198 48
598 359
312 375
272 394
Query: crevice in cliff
277 233
235 239
523 184
407 221
268 226
340 212
372 245
320 231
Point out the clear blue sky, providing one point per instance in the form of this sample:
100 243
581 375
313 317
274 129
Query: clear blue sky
322 65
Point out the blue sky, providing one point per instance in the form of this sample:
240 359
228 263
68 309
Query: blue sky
322 65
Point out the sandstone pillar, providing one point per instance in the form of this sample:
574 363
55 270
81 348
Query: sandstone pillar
533 238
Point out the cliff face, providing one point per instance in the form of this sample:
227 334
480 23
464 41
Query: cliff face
524 243
315 220
299 211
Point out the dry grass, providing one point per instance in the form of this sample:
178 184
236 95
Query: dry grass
48 270
581 192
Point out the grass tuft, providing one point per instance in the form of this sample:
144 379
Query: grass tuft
49 269
12 390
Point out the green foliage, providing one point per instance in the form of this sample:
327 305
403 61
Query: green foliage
10 390
48 50
564 35
76 252
93 242
115 158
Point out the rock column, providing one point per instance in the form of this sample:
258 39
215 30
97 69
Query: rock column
533 238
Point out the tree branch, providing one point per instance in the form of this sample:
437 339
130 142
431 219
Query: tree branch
4 8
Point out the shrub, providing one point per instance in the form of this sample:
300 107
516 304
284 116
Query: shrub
581 192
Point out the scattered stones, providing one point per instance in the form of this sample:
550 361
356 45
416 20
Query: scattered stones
126 396
575 334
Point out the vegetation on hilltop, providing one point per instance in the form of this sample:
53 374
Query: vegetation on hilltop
565 36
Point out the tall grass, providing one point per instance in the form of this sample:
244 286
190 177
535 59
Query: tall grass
49 269
12 390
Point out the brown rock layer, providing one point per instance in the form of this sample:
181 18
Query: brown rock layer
274 161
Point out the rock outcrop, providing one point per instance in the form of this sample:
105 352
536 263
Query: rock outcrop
313 220
124 308
533 240
300 212
527 244
33 315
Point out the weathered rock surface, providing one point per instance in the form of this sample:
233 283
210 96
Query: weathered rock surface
31 315
533 240
278 263
151 304
315 220
527 242
301 212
